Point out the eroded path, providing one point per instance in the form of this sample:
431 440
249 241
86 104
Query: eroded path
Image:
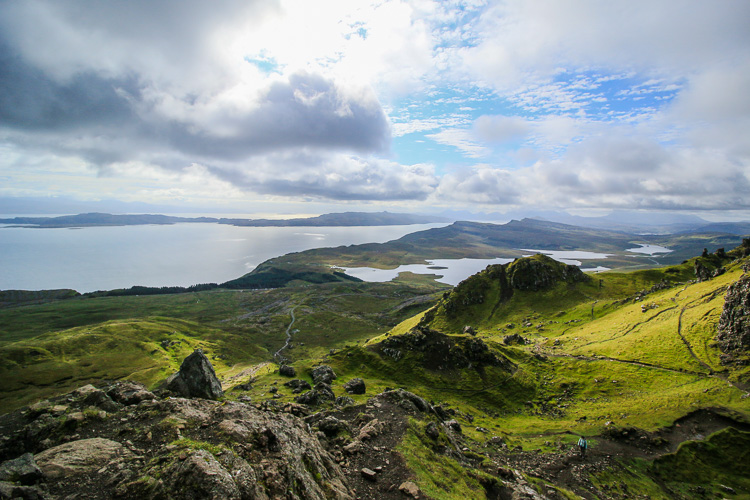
277 355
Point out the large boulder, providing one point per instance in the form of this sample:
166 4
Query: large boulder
80 457
196 378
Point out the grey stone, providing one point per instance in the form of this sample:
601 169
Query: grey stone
369 474
79 457
129 393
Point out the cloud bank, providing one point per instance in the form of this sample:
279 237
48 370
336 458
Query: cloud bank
500 104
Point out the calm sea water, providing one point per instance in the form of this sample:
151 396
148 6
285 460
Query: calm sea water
105 258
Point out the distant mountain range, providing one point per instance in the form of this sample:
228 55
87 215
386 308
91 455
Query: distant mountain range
338 219
629 221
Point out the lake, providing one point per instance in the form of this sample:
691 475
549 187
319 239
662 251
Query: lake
105 258
453 271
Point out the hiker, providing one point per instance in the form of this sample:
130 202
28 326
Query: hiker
582 445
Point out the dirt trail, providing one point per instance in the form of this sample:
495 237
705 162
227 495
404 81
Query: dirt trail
277 355
687 344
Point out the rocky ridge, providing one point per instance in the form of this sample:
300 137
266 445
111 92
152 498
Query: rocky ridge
734 324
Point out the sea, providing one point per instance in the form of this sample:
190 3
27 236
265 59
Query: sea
104 258
89 259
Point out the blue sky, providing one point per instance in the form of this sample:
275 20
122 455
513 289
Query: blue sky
291 106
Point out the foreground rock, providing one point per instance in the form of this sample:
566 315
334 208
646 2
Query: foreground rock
80 457
165 448
196 378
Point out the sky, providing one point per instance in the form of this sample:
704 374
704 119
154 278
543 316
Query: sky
292 106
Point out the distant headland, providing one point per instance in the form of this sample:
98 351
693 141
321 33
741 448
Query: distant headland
336 219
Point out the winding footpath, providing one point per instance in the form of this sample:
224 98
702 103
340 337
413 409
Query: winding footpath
277 355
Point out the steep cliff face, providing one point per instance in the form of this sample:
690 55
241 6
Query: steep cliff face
734 323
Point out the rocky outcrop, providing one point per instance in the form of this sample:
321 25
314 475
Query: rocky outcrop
500 282
439 351
540 272
196 378
166 448
734 324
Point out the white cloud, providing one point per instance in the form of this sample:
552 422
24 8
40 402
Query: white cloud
461 139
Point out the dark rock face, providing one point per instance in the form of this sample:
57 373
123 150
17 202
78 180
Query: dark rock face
734 323
323 373
355 386
196 378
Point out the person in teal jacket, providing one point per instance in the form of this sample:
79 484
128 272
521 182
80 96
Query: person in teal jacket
583 445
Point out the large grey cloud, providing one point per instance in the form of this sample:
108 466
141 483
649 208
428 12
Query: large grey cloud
115 82
307 174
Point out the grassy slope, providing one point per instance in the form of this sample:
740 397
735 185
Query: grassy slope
50 348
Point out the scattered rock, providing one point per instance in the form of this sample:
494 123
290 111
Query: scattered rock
454 426
409 489
369 474
323 373
287 371
344 401
355 386
432 430
9 490
400 395
371 429
514 339
196 378
332 426
21 470
298 385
